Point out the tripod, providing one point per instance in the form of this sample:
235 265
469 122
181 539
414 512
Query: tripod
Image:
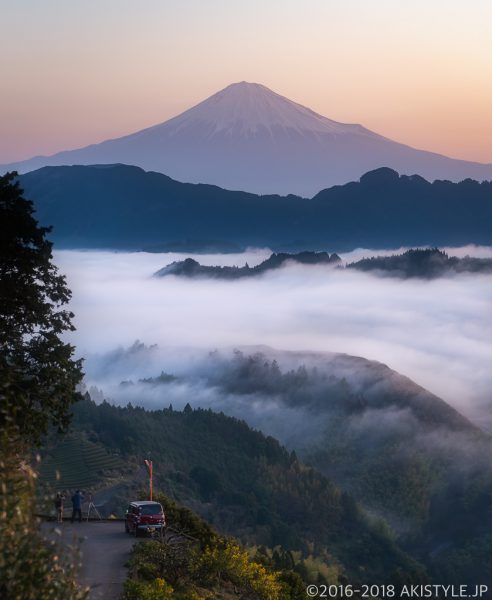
91 507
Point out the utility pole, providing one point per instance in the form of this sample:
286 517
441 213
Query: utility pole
149 466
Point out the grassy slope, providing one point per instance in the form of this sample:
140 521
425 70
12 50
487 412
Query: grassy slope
76 462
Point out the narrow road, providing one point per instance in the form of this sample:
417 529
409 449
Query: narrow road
105 549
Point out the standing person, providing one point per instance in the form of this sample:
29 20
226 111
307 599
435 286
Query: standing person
77 505
60 497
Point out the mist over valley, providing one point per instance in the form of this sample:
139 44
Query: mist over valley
253 336
436 332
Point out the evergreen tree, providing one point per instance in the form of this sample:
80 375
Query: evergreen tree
38 377
37 371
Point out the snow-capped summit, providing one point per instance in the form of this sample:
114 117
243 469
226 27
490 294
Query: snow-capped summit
247 137
249 108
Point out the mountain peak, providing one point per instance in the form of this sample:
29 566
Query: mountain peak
251 108
248 137
245 84
242 90
382 176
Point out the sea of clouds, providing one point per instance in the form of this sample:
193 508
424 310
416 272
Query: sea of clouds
438 332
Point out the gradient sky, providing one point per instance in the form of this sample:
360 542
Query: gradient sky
75 72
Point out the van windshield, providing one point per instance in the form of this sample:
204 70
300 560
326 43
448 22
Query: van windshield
151 509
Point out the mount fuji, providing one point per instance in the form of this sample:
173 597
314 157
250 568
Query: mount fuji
247 137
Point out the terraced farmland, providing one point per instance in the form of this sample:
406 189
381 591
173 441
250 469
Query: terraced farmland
79 464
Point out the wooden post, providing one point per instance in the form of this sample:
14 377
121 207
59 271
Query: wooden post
151 482
149 465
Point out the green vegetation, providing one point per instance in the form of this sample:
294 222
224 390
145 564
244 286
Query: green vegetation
209 566
471 557
30 568
37 388
247 485
401 452
388 441
75 462
38 372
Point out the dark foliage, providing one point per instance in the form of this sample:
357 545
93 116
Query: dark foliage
382 210
400 451
37 388
210 565
192 268
31 568
37 372
424 263
246 484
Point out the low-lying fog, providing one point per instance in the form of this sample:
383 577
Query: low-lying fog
439 332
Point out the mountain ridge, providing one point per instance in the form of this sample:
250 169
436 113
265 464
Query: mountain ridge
248 137
403 453
192 268
243 482
125 207
423 263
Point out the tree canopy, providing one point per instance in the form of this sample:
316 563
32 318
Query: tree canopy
38 378
38 373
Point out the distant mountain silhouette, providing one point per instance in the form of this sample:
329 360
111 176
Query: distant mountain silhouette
118 206
192 268
247 137
424 263
421 262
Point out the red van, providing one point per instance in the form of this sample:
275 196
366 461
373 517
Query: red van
144 516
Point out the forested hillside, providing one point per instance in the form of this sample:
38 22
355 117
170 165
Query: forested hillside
247 485
426 263
199 563
192 268
404 454
119 206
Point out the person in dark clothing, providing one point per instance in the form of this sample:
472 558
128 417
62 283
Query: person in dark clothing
77 499
59 506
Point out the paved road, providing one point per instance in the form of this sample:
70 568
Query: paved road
105 549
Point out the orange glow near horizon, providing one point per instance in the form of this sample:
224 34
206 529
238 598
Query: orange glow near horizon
79 73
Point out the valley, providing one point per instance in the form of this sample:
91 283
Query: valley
274 324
